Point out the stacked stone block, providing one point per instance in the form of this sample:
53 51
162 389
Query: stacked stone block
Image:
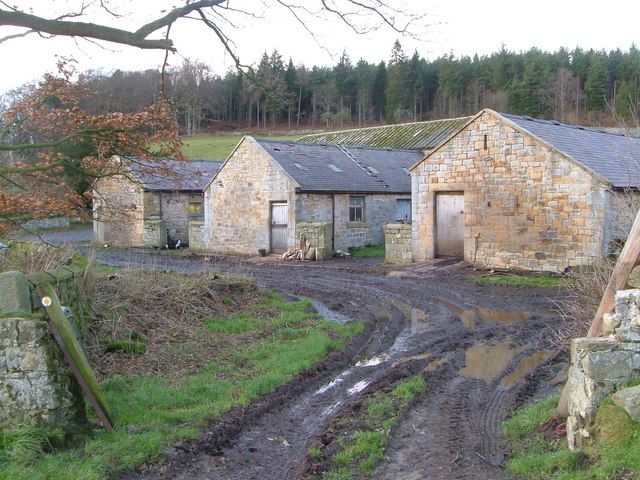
599 366
398 243
196 234
155 233
36 386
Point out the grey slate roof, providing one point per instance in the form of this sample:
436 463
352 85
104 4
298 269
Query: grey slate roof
412 136
614 156
167 174
335 168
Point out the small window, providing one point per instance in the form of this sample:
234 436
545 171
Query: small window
356 209
195 206
334 168
403 210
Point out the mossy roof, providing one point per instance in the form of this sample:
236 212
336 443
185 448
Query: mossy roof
409 136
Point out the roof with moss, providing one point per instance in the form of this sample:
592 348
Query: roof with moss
407 136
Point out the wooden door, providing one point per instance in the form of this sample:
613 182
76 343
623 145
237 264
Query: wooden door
450 224
279 216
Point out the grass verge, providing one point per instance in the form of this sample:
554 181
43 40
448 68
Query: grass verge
210 343
363 439
523 280
370 251
538 454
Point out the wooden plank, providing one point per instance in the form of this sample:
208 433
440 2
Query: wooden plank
74 355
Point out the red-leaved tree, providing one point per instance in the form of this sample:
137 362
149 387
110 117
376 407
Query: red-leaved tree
51 149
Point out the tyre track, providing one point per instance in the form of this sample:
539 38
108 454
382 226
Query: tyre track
453 431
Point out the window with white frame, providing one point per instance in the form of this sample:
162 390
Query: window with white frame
356 209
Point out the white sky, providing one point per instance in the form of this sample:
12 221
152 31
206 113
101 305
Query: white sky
460 27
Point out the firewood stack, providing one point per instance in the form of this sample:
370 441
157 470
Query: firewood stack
300 253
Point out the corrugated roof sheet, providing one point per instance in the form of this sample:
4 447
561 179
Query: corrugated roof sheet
167 174
411 136
336 168
614 156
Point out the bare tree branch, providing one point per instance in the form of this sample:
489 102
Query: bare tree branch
101 32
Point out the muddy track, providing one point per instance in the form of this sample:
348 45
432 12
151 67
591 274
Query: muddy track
475 359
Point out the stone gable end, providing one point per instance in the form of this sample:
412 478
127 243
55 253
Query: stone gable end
118 207
238 201
526 206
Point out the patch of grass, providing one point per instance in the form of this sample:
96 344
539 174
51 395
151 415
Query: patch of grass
362 449
217 365
218 147
241 323
613 453
315 452
523 281
370 251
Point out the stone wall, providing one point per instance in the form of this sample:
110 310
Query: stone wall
525 205
46 223
378 211
238 202
118 212
173 208
599 366
397 242
622 206
36 386
196 234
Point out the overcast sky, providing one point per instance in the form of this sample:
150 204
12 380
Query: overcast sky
460 27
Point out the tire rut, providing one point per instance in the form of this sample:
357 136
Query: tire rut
452 431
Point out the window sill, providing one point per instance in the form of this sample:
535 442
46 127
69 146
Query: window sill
357 225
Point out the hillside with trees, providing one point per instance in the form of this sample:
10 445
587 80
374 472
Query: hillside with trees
572 86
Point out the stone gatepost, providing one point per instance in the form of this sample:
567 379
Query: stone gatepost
600 366
36 386
397 243
196 234
155 233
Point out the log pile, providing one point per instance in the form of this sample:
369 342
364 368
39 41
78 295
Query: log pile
299 253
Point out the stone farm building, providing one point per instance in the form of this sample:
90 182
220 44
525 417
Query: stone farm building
150 204
509 191
267 190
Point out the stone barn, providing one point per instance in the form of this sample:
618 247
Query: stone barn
509 191
150 204
266 190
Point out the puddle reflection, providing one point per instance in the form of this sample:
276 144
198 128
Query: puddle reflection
487 361
468 317
528 364
417 318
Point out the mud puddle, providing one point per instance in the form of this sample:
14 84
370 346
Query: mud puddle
454 430
488 361
469 317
